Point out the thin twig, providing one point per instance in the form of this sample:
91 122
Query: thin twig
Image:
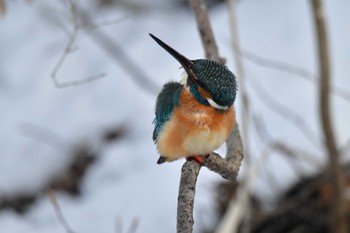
245 110
208 40
106 23
117 53
339 222
293 70
68 50
297 154
284 111
58 212
276 145
240 75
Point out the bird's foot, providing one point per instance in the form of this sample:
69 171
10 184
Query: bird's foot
199 159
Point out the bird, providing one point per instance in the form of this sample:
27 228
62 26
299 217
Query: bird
195 116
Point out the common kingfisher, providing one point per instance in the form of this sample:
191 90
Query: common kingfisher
195 116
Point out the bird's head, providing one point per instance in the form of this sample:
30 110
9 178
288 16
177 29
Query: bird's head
209 81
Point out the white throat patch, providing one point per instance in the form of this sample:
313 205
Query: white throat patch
183 78
217 106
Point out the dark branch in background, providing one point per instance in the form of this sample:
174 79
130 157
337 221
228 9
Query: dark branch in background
82 156
227 168
339 221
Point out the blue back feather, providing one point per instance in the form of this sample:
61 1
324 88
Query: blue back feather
167 100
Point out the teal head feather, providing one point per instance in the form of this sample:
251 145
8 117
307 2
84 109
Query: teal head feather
212 76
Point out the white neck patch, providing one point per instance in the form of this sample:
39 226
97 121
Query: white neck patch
217 106
183 78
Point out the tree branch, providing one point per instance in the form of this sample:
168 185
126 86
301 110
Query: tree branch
187 191
208 40
338 212
227 168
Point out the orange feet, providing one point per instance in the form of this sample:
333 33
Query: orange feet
198 158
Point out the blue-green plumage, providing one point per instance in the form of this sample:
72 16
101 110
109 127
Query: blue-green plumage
217 79
214 88
167 100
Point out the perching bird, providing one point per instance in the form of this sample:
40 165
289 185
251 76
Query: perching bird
195 116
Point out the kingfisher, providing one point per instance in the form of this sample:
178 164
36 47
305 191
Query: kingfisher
195 116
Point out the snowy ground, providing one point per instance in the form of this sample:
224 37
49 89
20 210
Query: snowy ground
126 183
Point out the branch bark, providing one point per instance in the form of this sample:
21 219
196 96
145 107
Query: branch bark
228 167
338 221
200 11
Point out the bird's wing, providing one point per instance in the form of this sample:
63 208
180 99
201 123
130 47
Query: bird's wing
167 99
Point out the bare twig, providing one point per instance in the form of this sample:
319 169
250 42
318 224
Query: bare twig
201 13
285 112
296 153
59 215
107 44
338 213
293 70
281 147
245 110
68 49
228 167
240 75
106 23
117 53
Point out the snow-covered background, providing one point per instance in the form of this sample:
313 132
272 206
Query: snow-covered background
125 183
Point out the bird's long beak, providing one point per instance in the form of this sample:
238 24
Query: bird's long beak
186 63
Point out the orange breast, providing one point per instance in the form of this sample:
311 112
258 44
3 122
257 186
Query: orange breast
195 129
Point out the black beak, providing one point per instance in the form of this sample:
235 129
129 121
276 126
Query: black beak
186 63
